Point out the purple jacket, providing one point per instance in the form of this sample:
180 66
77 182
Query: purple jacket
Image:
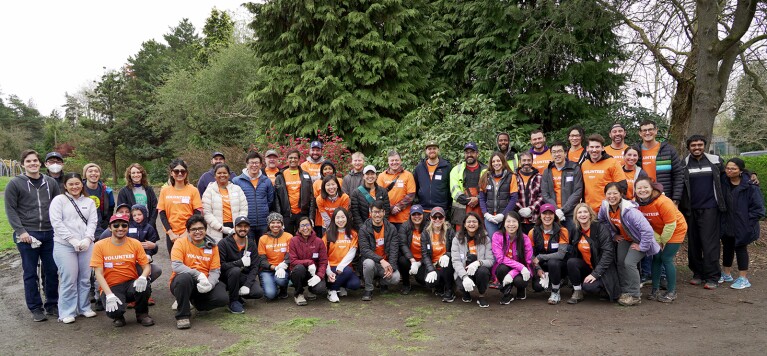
499 252
634 223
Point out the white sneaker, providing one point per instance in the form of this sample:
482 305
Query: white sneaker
333 296
89 314
68 320
342 292
175 305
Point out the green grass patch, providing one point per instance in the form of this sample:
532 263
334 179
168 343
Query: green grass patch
242 347
413 321
303 325
188 351
237 323
6 233
3 182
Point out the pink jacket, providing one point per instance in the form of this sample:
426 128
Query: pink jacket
500 254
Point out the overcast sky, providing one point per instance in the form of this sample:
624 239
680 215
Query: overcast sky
52 47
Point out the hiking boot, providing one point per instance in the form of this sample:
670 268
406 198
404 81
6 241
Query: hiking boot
367 295
654 295
668 297
507 298
183 324
39 315
119 322
235 307
482 302
741 283
576 298
696 281
405 289
521 294
629 300
310 295
448 297
554 298
144 320
300 300
466 298
711 285
333 296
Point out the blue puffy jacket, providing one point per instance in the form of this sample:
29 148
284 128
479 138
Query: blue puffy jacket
259 197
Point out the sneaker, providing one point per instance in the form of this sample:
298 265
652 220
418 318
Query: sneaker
654 295
150 302
495 285
663 283
741 283
119 322
39 315
667 297
696 281
576 298
342 292
183 324
482 302
333 296
466 298
283 293
52 311
521 294
367 295
711 285
507 298
645 280
627 300
98 306
300 300
68 320
235 307
144 320
438 293
725 278
131 305
405 289
89 314
448 297
310 295
554 298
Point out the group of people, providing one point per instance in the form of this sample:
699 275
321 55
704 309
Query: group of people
601 219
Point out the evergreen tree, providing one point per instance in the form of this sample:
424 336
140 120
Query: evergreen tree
219 34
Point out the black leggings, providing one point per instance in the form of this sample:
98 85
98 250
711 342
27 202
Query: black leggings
577 269
556 268
501 271
730 251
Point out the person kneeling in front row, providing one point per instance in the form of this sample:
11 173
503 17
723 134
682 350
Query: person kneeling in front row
308 262
196 266
239 265
379 246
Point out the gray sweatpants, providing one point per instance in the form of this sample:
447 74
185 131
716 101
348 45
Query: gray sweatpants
628 272
371 270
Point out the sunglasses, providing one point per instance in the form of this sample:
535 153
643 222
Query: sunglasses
119 225
179 171
437 217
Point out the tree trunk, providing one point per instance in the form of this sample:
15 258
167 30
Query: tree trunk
682 103
114 169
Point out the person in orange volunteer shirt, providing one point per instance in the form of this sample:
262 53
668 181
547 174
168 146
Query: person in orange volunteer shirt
114 262
541 154
210 176
562 184
314 161
464 185
670 228
577 152
550 242
618 144
401 187
632 171
498 192
274 257
591 266
178 201
327 169
379 249
436 242
342 248
410 247
599 170
330 198
293 192
196 265
271 169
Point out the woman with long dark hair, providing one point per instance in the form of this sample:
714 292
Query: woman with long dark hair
472 257
341 242
513 258
436 241
410 248
550 242
138 191
178 201
497 192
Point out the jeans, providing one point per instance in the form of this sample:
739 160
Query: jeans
127 294
372 270
492 228
665 258
29 259
74 279
300 278
270 283
256 232
346 279
184 288
627 260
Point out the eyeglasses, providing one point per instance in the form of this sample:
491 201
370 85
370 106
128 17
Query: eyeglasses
557 151
179 172
254 163
647 130
437 217
304 225
119 225
376 212
197 229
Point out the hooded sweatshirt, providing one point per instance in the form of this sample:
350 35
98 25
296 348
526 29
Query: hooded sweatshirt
143 231
27 206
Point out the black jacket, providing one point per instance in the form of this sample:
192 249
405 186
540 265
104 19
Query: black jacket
231 256
360 206
602 256
406 237
125 196
282 201
367 242
426 249
716 171
673 178
435 190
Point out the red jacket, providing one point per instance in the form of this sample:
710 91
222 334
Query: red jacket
311 251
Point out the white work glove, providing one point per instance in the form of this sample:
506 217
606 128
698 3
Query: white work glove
73 241
312 269
525 274
443 261
507 280
37 243
468 284
245 261
472 268
490 217
282 265
84 244
431 277
280 273
525 212
112 303
314 280
498 218
226 230
244 290
203 284
560 214
545 280
414 268
140 284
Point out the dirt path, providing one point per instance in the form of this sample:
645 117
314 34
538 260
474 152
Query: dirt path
699 322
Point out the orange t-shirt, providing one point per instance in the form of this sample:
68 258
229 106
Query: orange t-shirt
663 211
556 175
118 262
339 249
585 249
405 185
574 156
438 248
380 242
274 249
293 186
431 169
198 258
317 190
472 247
226 205
312 168
179 205
271 173
615 220
564 238
649 156
415 245
616 153
595 178
330 206
630 182
540 162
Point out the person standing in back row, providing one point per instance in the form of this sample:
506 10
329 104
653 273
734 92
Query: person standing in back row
432 179
541 153
617 142
401 187
355 177
562 184
314 161
293 192
259 193
464 185
210 176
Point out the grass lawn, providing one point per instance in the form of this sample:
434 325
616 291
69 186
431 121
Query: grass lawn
3 182
6 233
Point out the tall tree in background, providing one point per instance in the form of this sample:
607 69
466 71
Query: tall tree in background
218 34
358 66
748 128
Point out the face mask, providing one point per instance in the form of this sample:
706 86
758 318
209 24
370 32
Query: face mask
55 168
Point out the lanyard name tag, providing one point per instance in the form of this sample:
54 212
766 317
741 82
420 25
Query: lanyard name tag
400 185
185 200
437 177
315 255
207 251
554 245
247 253
282 249
133 230
379 242
108 265
568 179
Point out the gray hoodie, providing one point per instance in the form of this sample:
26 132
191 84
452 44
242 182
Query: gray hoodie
27 206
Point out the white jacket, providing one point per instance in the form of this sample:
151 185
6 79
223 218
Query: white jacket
213 208
67 223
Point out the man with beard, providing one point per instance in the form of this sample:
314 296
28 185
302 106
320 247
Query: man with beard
209 176
239 265
503 142
599 170
54 162
530 197
541 154
379 248
617 145
562 183
314 161
432 183
464 184
354 178
293 192
271 168
400 186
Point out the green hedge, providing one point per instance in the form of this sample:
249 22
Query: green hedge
758 164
